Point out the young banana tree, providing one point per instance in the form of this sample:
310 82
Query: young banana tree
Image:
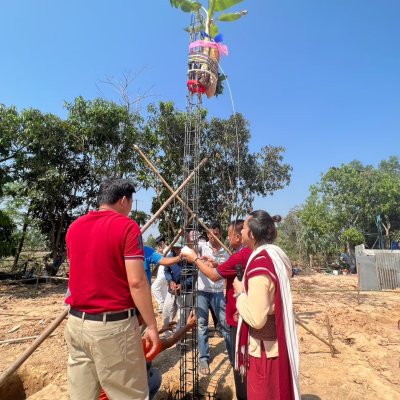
214 6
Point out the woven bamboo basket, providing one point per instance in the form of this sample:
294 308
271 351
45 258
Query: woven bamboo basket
203 70
214 56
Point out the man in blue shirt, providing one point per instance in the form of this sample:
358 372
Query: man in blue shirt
152 257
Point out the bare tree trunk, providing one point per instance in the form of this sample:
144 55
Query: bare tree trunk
57 244
22 240
387 231
52 238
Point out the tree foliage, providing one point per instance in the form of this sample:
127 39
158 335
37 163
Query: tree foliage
290 235
51 167
342 208
352 237
7 238
54 166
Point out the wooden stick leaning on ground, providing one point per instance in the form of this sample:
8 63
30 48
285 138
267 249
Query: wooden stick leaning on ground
33 279
328 326
21 339
154 169
26 316
331 346
24 356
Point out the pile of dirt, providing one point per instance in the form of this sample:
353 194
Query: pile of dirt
364 331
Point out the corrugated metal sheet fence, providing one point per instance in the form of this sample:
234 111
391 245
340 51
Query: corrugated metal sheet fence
388 267
378 269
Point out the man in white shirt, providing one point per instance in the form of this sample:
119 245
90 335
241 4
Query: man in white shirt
210 295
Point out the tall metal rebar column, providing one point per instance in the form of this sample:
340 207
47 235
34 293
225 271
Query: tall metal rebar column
189 375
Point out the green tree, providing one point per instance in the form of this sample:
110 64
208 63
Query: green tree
290 232
350 238
12 143
63 161
48 177
319 227
386 194
140 217
347 200
151 241
105 133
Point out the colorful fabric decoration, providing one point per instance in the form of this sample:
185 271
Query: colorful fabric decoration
222 49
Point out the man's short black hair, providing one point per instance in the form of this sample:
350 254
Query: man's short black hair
113 189
237 225
215 225
160 239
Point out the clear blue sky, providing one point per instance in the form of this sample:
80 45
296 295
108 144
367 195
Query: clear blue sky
319 77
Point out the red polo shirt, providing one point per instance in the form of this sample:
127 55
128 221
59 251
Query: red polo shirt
227 270
98 244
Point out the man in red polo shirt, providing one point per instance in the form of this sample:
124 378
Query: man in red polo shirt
227 270
108 287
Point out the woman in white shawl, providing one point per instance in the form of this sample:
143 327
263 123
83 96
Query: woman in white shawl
266 345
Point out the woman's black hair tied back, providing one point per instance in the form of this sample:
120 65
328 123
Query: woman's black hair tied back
277 218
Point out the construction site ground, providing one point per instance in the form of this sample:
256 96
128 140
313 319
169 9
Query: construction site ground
365 331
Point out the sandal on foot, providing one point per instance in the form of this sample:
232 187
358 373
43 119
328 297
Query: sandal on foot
204 368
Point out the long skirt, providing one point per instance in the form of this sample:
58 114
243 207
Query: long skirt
263 378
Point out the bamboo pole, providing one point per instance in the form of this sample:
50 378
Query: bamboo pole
314 334
23 357
154 169
328 326
34 279
21 339
19 281
173 196
26 317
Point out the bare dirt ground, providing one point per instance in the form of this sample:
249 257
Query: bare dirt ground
365 331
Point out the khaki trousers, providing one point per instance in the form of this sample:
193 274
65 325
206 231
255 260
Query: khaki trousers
106 355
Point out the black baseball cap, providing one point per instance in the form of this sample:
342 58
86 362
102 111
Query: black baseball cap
160 239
